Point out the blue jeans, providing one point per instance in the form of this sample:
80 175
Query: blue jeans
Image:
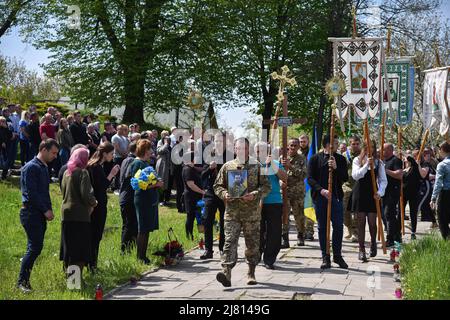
337 222
64 155
35 225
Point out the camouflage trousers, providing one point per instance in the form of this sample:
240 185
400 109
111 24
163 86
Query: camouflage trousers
251 230
309 225
296 205
350 219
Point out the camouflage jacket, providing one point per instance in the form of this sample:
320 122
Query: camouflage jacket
349 156
296 175
257 184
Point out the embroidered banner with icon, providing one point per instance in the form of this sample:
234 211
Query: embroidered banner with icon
435 104
401 86
359 65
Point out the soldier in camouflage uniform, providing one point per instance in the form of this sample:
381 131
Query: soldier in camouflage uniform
295 166
350 221
304 150
243 213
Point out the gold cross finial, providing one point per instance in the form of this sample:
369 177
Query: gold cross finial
284 78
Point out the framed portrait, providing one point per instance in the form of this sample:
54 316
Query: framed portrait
393 87
237 183
358 77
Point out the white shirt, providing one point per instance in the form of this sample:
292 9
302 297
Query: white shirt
359 172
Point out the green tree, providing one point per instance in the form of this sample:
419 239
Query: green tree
20 85
12 13
119 51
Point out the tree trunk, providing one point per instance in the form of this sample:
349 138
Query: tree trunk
134 86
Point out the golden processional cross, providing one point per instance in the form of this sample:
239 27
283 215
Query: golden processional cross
285 78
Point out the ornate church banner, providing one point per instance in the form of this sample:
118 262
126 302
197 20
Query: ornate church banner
435 103
401 86
358 62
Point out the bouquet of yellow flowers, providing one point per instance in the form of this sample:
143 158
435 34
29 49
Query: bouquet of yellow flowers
144 178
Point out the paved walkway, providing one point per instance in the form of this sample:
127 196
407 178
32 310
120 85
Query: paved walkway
297 276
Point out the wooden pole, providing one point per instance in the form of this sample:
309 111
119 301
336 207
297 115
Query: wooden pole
422 146
388 45
355 31
383 123
402 201
374 184
330 179
284 152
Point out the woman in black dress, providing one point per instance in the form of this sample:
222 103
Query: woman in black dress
426 189
77 205
145 201
412 176
100 183
363 199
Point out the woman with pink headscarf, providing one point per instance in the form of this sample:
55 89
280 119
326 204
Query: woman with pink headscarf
77 205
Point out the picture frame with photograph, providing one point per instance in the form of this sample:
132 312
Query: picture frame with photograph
237 183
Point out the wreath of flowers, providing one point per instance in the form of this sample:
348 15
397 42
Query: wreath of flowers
144 178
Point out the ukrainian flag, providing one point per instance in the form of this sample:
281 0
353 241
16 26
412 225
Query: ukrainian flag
308 204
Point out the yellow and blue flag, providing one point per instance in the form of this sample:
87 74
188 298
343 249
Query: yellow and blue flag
308 204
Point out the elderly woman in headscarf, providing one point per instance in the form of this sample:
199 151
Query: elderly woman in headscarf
77 205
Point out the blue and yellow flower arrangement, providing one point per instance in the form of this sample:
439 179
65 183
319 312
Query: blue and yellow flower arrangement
144 178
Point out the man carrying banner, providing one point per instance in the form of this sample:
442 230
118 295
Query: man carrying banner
394 173
318 168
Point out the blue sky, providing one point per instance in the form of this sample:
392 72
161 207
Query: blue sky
11 45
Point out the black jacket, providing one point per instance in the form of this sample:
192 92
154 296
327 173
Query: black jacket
318 174
79 134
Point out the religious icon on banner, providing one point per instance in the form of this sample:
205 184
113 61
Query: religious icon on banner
393 88
237 183
358 75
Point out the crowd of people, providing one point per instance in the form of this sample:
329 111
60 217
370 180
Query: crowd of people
88 163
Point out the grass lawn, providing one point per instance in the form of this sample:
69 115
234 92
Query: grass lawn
425 269
47 278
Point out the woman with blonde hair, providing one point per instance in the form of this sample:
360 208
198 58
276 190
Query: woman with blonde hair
77 205
363 198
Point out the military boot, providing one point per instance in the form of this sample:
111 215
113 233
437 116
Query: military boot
224 277
251 280
284 241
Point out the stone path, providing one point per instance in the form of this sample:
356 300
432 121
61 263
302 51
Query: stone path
297 276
